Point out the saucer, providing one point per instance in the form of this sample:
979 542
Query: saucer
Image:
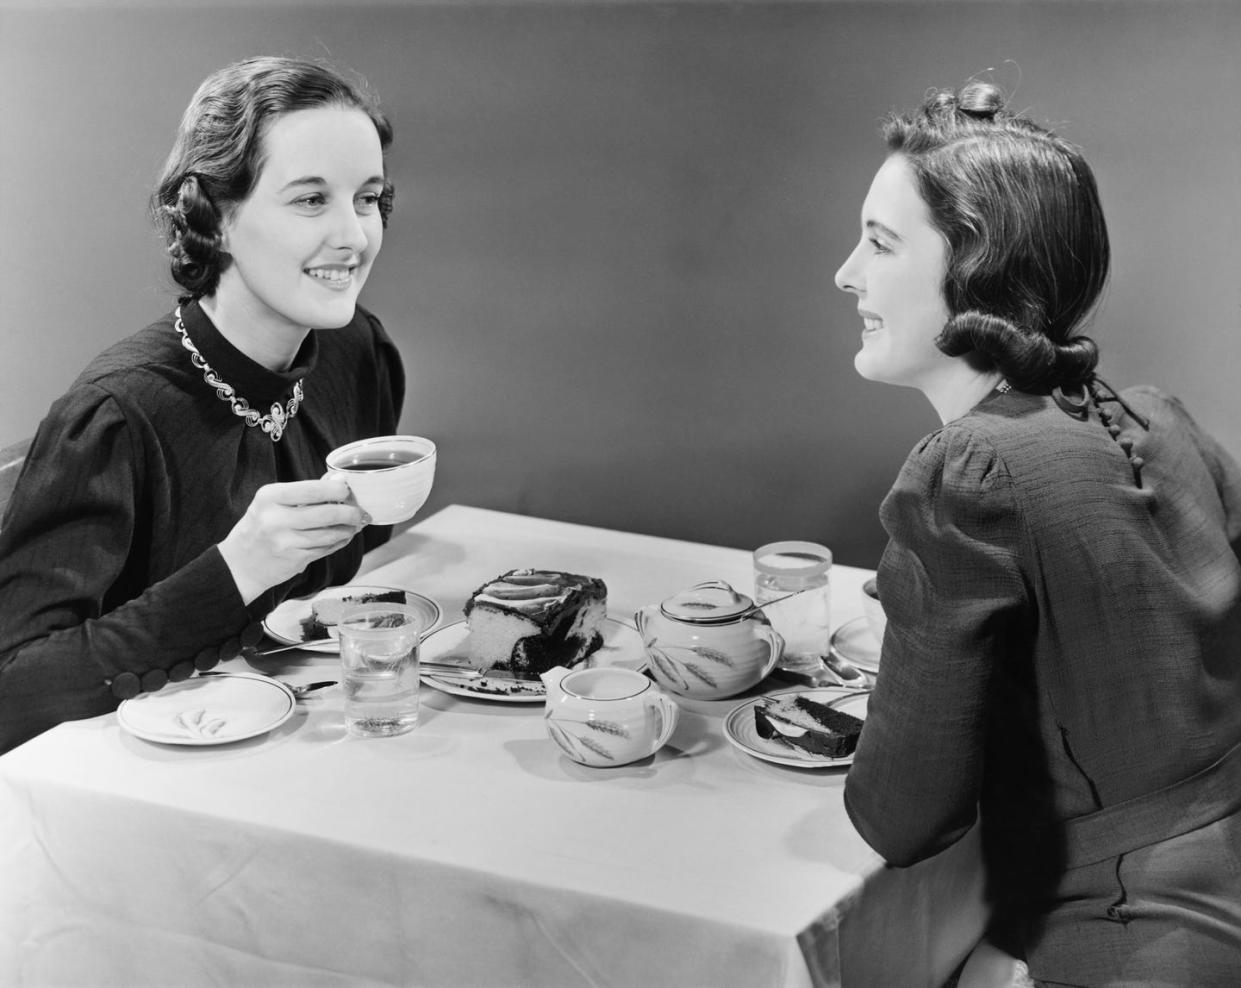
854 642
216 709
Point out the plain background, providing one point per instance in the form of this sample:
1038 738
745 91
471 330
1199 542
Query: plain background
610 269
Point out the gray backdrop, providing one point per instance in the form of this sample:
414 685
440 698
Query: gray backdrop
617 223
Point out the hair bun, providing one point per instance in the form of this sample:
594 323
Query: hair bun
1028 360
981 100
1076 360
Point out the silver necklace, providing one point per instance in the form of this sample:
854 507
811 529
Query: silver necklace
273 422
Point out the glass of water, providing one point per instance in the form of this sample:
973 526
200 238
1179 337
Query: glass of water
804 621
379 666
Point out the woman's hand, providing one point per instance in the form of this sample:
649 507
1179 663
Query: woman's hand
286 528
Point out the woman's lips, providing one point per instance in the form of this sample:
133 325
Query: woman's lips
333 278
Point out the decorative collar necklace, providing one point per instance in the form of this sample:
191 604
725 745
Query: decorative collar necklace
273 423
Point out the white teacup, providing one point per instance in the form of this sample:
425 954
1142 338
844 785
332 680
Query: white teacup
873 609
607 715
390 476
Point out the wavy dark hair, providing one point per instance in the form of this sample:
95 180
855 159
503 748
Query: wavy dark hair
218 154
1028 250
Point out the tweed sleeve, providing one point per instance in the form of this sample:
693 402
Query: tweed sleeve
952 588
1224 471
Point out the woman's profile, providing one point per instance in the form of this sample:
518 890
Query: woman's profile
176 492
1062 659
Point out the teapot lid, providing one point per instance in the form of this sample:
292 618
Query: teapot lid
713 602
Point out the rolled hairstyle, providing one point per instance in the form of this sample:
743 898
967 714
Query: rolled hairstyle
218 155
1028 249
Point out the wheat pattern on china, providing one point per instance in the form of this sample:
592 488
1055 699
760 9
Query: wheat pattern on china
197 723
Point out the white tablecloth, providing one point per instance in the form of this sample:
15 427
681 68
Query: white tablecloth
470 851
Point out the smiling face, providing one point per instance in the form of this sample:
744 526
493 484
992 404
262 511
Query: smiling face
302 243
897 272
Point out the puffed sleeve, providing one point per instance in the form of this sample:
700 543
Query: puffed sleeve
75 639
1224 469
953 591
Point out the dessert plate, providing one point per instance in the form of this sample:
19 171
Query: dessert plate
622 646
217 709
284 623
855 642
740 729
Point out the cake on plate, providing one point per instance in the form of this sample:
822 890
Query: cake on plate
326 612
799 721
532 620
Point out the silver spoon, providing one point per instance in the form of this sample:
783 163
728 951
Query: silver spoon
758 607
251 653
301 691
845 671
297 691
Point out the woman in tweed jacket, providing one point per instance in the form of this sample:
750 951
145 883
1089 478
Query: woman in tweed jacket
1062 658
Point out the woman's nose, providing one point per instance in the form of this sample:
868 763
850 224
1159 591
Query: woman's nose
348 231
848 275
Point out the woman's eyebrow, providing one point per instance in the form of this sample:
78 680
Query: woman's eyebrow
304 180
315 180
887 231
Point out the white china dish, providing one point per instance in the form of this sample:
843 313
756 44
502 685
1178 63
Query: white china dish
622 647
855 642
708 642
608 715
284 623
217 709
390 476
740 729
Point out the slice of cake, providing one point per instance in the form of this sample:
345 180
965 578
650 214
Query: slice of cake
532 620
800 722
325 613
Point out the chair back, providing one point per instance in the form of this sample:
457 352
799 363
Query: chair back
11 460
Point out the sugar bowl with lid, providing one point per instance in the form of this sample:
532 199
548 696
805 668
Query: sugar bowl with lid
708 642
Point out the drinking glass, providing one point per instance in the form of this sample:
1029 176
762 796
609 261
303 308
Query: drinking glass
379 666
804 621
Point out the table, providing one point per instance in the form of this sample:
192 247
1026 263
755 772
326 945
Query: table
469 852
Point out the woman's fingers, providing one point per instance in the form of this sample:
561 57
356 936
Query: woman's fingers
310 504
325 490
286 528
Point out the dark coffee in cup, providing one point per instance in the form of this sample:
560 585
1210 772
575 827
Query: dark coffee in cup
387 462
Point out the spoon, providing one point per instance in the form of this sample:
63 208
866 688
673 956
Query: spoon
838 667
758 607
845 671
300 691
251 653
297 691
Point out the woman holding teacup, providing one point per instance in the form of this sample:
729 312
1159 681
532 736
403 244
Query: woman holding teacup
1062 655
177 491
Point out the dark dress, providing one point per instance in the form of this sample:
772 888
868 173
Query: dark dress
110 579
1063 660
